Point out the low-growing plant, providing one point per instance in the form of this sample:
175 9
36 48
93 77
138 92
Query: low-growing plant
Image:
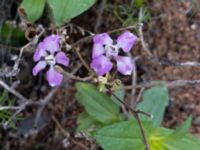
60 11
6 114
128 14
107 117
103 120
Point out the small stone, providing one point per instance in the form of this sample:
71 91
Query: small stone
197 121
65 143
193 26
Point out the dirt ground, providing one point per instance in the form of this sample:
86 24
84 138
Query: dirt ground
173 36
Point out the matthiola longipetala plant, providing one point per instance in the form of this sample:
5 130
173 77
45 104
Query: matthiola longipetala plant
48 54
105 50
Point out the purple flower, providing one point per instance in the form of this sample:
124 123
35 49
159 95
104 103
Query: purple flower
104 50
48 53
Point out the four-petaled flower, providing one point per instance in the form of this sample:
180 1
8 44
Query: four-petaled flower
104 49
48 53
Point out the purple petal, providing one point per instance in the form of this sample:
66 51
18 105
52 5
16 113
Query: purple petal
40 52
101 65
97 50
124 65
103 39
54 78
38 67
51 43
126 41
61 58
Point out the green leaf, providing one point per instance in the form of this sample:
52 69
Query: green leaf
120 93
64 10
14 33
84 122
157 141
3 97
189 142
124 135
154 102
181 131
139 3
97 104
33 8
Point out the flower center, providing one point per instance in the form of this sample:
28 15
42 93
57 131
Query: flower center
50 59
111 50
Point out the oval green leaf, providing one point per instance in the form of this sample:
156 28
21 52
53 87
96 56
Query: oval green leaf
33 9
64 10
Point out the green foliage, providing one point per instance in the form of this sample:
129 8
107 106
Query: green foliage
61 10
159 139
120 93
155 100
12 33
117 134
65 10
126 135
138 3
5 115
193 8
181 131
128 14
85 121
98 105
33 8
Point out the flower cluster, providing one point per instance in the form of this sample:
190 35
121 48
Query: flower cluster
105 49
48 53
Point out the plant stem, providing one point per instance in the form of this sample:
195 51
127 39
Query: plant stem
82 60
135 113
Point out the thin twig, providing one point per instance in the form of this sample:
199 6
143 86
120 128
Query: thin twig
134 80
9 47
144 45
142 131
67 134
15 69
135 113
139 96
82 60
2 108
13 91
42 105
174 64
71 76
128 106
124 28
99 15
21 108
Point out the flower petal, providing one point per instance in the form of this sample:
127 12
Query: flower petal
103 39
40 52
124 65
61 58
51 43
54 78
101 65
126 41
97 50
38 67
